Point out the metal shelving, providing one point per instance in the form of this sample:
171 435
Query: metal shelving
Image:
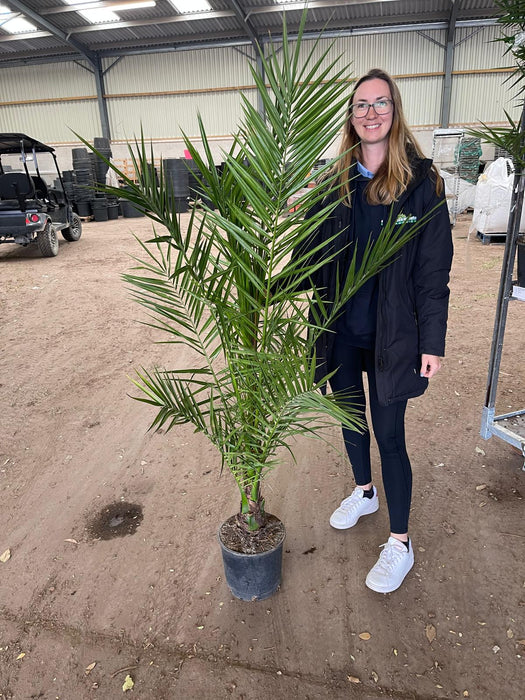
445 147
509 427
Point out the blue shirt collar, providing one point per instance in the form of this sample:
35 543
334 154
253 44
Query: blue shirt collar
364 171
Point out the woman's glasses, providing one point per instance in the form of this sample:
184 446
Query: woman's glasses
361 109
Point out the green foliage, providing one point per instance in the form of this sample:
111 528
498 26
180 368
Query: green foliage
227 288
511 138
512 18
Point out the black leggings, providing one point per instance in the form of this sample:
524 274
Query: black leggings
389 430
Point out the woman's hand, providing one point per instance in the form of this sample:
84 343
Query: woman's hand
430 365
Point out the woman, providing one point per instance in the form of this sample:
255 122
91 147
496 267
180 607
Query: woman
394 326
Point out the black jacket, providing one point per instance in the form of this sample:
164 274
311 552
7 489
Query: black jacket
413 289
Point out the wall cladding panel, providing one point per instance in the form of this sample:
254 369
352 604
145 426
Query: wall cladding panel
421 100
47 81
398 53
168 116
481 97
479 50
182 70
209 81
51 122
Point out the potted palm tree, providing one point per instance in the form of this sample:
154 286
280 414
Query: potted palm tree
227 287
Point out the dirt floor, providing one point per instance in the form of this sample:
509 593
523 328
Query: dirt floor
79 613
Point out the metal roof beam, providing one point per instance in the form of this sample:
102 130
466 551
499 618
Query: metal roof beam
247 25
50 27
174 19
387 21
216 40
312 5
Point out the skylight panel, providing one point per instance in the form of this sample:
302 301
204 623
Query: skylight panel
14 23
186 7
95 16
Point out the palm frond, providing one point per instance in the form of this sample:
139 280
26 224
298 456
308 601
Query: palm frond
510 138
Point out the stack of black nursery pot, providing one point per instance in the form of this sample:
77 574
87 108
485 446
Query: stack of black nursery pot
68 178
195 179
104 206
85 179
176 177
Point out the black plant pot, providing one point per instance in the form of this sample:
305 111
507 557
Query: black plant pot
129 211
84 209
113 211
253 576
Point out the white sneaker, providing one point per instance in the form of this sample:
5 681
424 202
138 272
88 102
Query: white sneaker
352 508
394 563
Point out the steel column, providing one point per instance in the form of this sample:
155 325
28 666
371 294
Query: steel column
449 64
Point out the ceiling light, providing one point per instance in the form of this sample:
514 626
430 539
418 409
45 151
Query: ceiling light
185 7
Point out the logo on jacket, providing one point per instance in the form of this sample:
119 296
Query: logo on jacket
405 219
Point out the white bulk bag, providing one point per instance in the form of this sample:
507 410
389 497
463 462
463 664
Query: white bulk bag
492 199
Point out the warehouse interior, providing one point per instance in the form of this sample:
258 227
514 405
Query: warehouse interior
147 611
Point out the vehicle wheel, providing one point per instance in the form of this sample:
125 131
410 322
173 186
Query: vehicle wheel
74 231
47 240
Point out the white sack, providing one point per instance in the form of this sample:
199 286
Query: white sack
465 191
492 199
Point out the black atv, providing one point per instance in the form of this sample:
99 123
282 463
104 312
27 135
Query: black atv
30 209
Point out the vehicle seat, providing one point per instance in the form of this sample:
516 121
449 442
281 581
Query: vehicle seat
40 187
56 196
16 188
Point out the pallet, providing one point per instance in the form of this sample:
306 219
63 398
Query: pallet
86 218
487 238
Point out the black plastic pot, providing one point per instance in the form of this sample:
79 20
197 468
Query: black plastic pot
252 576
180 204
129 211
100 213
83 208
113 211
176 176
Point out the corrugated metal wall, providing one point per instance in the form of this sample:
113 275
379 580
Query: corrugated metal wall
415 61
173 88
47 101
163 92
481 96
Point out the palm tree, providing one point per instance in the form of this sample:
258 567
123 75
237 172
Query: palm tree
228 288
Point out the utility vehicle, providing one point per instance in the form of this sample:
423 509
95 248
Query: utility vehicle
31 210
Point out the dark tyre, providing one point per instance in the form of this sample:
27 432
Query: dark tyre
47 241
74 231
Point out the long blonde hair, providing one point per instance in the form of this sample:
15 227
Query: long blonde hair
395 172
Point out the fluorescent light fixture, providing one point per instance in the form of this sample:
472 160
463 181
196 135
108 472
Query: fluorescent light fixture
14 23
291 2
186 7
